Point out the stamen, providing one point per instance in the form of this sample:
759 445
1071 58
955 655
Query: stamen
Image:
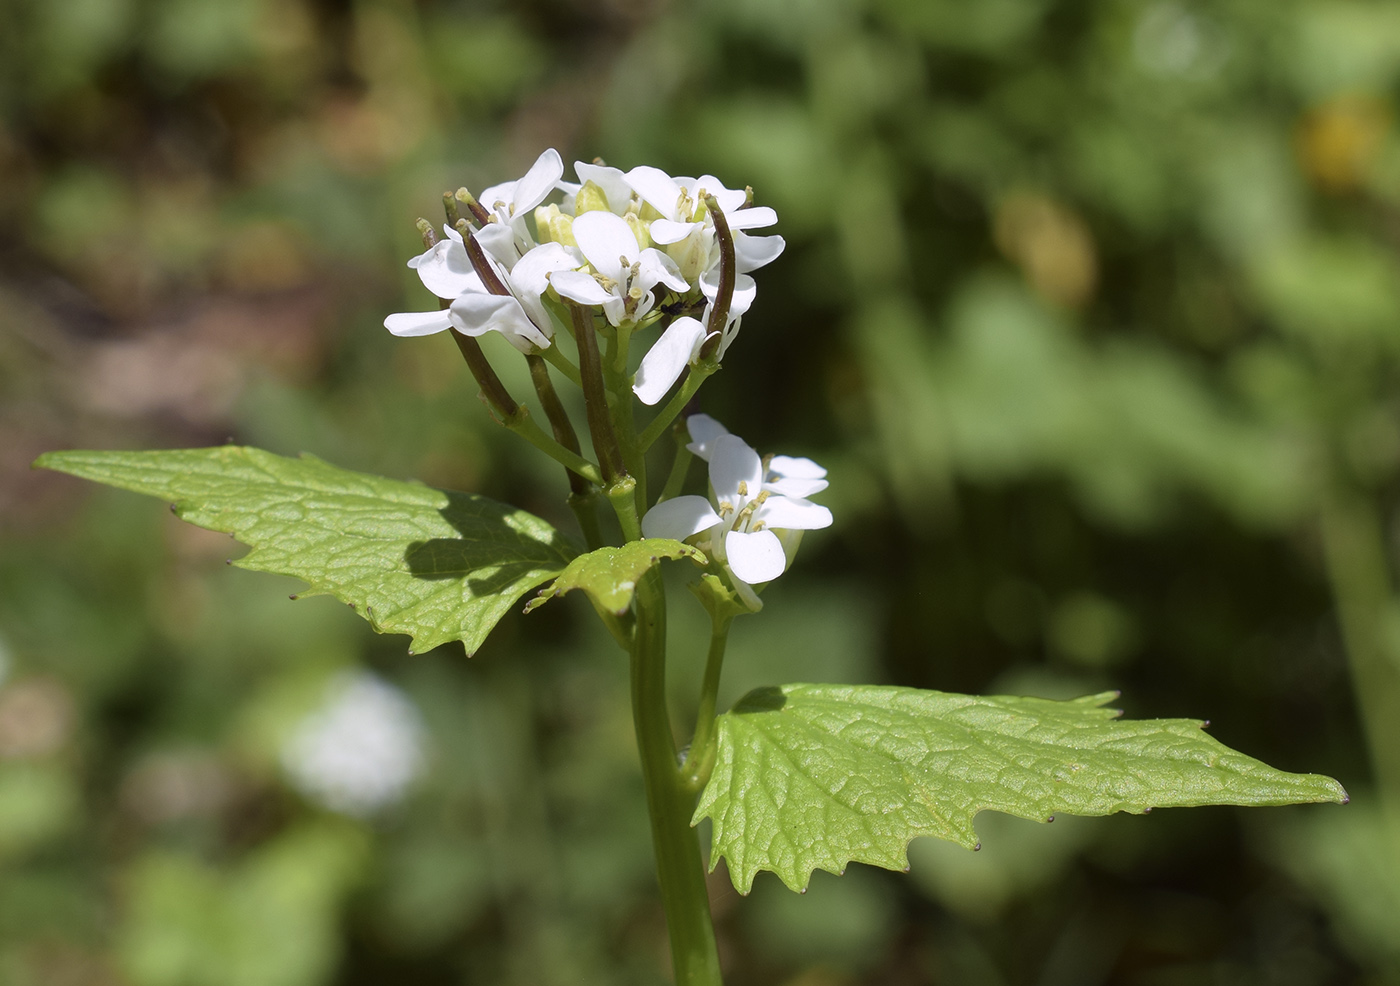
743 487
745 514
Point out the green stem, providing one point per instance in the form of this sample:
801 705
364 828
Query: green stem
523 425
698 375
558 418
680 467
695 772
1353 544
620 408
595 396
680 869
622 494
561 363
585 508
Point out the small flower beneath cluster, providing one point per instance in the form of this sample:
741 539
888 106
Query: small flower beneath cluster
749 524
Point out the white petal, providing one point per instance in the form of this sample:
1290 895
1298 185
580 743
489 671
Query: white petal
530 278
503 193
703 432
477 314
538 182
530 274
745 291
665 232
605 239
796 467
679 518
498 240
794 487
446 270
755 556
657 268
733 462
729 199
610 180
417 323
752 252
792 515
658 188
759 215
668 356
578 286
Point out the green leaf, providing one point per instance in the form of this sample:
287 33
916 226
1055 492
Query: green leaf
411 559
609 575
815 776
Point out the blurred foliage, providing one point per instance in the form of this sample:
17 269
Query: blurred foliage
1093 308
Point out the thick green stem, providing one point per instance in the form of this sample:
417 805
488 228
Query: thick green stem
701 758
1353 543
679 867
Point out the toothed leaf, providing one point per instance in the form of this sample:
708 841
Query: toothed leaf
436 565
816 776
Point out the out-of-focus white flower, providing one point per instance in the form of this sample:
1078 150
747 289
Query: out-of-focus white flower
359 750
747 525
624 273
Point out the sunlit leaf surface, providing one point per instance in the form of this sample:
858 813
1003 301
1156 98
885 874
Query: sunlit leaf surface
436 565
816 776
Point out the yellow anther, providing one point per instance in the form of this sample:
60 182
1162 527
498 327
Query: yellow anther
743 487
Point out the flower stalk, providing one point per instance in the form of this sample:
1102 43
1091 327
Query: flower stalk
595 397
680 869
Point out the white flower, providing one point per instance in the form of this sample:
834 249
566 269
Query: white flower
749 525
686 229
520 316
625 274
360 750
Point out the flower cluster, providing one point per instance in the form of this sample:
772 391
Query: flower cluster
756 512
639 247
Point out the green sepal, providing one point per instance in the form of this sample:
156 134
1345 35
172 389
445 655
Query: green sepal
817 776
437 565
720 601
609 575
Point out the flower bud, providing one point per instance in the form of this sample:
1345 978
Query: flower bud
553 226
591 198
639 229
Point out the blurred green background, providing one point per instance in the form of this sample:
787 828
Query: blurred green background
1091 306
